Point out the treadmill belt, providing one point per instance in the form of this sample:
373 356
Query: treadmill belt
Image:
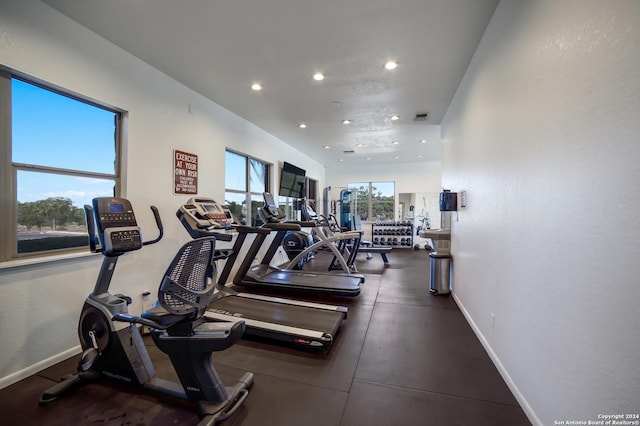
303 281
280 313
312 280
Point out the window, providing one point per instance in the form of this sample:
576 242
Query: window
246 178
374 201
59 152
312 189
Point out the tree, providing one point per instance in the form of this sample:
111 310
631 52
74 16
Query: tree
57 211
54 211
362 202
381 205
236 210
77 216
28 215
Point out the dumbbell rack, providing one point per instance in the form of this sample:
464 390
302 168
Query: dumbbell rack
392 234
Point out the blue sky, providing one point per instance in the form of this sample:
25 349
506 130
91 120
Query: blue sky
52 130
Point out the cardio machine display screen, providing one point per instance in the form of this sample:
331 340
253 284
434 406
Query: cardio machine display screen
211 208
116 208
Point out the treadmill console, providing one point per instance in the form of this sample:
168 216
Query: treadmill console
116 225
206 213
271 208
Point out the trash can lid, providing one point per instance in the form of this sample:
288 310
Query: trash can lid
437 255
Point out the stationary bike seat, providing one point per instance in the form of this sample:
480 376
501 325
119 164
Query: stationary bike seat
161 316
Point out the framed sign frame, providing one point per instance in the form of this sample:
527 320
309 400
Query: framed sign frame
185 172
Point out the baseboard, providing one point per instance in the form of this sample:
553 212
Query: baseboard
39 366
528 410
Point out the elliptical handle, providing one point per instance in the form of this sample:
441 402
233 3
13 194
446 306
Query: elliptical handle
156 215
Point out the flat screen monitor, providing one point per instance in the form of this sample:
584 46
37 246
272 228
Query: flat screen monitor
292 181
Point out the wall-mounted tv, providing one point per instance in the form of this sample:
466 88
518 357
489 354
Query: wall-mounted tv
292 181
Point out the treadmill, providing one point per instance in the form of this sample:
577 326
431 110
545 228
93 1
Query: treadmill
267 276
304 324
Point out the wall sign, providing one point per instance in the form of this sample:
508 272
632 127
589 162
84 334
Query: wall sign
185 171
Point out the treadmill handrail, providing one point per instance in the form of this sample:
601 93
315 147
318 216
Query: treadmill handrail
243 231
304 223
250 229
282 226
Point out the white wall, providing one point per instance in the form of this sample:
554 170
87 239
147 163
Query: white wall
543 134
409 177
40 304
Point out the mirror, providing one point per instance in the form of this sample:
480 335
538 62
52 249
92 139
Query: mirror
420 207
423 210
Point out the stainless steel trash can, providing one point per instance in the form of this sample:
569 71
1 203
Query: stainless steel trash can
440 276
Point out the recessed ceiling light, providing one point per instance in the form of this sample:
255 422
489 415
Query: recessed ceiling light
341 159
396 157
327 147
419 156
359 145
395 142
346 121
256 86
318 76
391 65
423 141
368 158
302 126
395 117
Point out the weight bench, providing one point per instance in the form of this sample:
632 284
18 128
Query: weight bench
367 246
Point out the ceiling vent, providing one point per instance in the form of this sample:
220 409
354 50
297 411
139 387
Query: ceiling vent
349 151
421 116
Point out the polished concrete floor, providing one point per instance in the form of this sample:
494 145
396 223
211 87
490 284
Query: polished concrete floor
403 357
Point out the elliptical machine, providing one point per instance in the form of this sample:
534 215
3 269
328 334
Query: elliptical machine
112 345
305 247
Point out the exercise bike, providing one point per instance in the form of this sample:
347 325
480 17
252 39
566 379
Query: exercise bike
111 342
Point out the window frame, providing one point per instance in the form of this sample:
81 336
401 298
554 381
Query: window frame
247 192
10 169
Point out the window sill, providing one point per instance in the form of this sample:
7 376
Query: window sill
17 263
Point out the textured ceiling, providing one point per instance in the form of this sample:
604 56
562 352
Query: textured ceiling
220 47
